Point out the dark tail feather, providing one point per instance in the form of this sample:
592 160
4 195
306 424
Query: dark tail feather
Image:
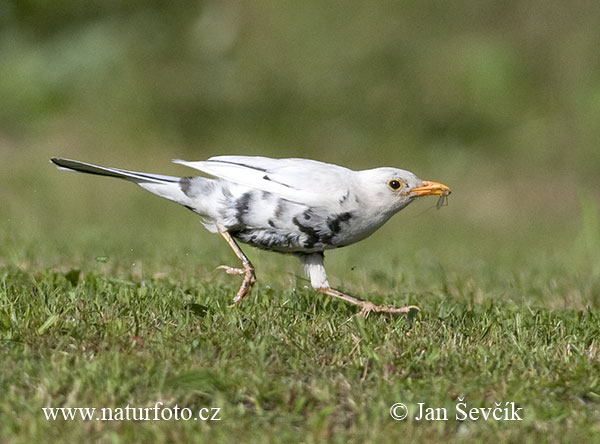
82 167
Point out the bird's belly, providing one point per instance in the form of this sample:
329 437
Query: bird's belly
278 240
300 237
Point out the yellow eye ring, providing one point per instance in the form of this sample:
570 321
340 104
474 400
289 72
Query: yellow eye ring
395 184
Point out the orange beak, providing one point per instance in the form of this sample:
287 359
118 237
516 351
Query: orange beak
430 189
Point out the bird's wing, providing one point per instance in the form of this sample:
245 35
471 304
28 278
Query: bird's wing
300 180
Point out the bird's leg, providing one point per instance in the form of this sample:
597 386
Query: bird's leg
313 264
247 268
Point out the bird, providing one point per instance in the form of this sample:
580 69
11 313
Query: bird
294 206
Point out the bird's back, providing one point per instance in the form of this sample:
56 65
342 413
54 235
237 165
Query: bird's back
304 181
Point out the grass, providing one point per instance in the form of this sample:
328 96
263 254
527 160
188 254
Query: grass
112 313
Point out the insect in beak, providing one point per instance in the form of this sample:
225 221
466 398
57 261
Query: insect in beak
442 201
432 189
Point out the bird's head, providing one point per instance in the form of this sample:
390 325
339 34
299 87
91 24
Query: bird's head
394 188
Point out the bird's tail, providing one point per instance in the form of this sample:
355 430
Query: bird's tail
168 187
82 167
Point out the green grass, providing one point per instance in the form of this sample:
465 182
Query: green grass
284 364
110 314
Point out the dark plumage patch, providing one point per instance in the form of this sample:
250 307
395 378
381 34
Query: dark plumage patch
194 187
278 209
185 183
311 233
241 205
267 240
326 238
345 197
333 223
266 177
307 215
271 223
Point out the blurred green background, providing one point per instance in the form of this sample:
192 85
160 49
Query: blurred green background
499 100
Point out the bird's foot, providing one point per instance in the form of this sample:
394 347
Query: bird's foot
247 283
231 270
368 307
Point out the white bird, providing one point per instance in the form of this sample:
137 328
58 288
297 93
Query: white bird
297 206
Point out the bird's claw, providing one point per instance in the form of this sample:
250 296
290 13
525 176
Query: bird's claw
368 307
231 270
247 283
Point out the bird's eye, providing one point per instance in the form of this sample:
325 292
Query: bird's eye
395 184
